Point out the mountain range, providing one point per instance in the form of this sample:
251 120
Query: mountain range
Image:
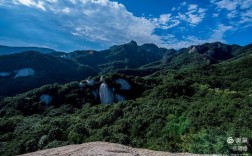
189 100
6 50
29 68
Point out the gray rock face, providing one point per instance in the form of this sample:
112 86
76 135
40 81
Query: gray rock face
101 79
193 50
45 98
95 93
103 149
24 72
210 53
105 93
20 73
119 98
124 84
81 85
4 73
90 82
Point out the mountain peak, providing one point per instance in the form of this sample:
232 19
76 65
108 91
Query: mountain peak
133 42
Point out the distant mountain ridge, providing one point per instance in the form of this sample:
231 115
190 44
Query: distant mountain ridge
6 50
27 70
45 66
124 56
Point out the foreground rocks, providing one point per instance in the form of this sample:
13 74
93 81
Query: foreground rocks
101 149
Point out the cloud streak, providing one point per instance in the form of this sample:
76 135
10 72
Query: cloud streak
235 9
100 21
98 24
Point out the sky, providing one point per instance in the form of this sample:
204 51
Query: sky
67 25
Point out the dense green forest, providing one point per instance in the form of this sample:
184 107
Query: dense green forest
183 103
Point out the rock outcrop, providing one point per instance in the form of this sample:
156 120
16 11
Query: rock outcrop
45 98
124 84
106 94
24 72
107 91
102 149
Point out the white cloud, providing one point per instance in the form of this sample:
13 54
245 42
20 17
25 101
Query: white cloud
235 9
192 7
164 18
100 21
232 4
165 21
246 4
248 13
106 23
232 14
174 23
40 5
186 41
227 4
31 3
73 1
193 16
219 33
52 1
66 10
183 4
246 19
110 22
195 19
215 15
182 17
26 2
201 10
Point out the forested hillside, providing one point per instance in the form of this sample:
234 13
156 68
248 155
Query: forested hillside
21 72
184 107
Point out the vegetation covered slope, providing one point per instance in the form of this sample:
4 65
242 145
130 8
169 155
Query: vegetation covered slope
58 67
191 109
124 56
129 59
46 70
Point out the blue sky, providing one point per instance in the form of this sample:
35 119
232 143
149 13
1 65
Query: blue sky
68 25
